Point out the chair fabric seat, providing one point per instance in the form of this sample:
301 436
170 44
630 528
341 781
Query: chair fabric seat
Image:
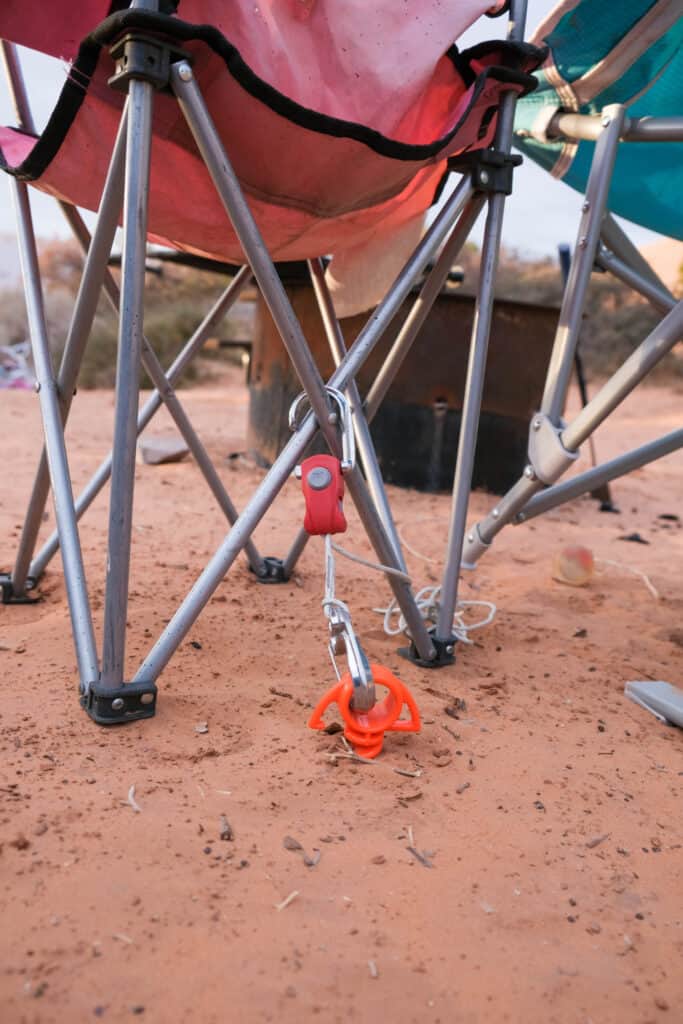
601 53
339 119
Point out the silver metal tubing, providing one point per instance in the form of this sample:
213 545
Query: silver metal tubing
17 88
631 372
228 188
191 102
172 403
654 129
248 520
80 326
151 407
476 365
165 390
79 607
227 185
233 543
586 482
214 572
366 448
638 364
469 423
382 544
411 327
618 242
588 127
659 299
381 318
422 306
295 552
517 22
136 194
216 569
571 314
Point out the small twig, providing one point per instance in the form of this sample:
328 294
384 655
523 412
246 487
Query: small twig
123 938
592 843
419 856
411 837
350 755
279 693
132 801
226 830
287 900
452 732
374 973
461 789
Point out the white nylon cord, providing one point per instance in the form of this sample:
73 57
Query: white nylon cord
426 599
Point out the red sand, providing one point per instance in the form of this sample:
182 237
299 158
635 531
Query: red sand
550 809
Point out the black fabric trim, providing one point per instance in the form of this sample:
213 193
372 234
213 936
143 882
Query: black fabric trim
499 14
515 56
62 117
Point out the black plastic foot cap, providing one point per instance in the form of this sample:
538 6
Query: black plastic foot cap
116 705
273 571
8 595
445 653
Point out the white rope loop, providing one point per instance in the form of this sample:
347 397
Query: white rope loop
426 599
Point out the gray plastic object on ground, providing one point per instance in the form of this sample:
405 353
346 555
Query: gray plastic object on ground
154 451
662 699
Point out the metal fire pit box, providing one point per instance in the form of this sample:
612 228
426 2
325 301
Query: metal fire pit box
416 428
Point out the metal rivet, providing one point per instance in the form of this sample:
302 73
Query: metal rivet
118 704
470 538
332 418
449 649
484 177
529 473
536 424
586 207
147 698
495 513
319 478
36 386
185 73
606 121
583 242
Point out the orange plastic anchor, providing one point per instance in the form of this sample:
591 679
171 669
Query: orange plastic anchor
365 729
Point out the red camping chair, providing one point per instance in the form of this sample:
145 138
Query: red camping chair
320 129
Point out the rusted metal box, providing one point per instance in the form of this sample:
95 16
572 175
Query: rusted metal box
416 429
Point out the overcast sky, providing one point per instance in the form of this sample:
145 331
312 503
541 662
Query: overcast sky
540 214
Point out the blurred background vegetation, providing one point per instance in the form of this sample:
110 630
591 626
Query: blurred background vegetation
178 297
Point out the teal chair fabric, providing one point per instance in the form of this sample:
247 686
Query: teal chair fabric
599 52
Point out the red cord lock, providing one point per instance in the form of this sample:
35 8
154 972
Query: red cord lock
323 487
365 729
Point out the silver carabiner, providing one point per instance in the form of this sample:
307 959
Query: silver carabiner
342 416
343 640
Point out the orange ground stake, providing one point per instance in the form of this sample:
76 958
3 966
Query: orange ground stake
365 729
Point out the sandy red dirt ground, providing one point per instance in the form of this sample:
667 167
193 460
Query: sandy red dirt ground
550 809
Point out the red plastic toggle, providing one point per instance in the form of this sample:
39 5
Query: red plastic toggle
323 486
365 729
